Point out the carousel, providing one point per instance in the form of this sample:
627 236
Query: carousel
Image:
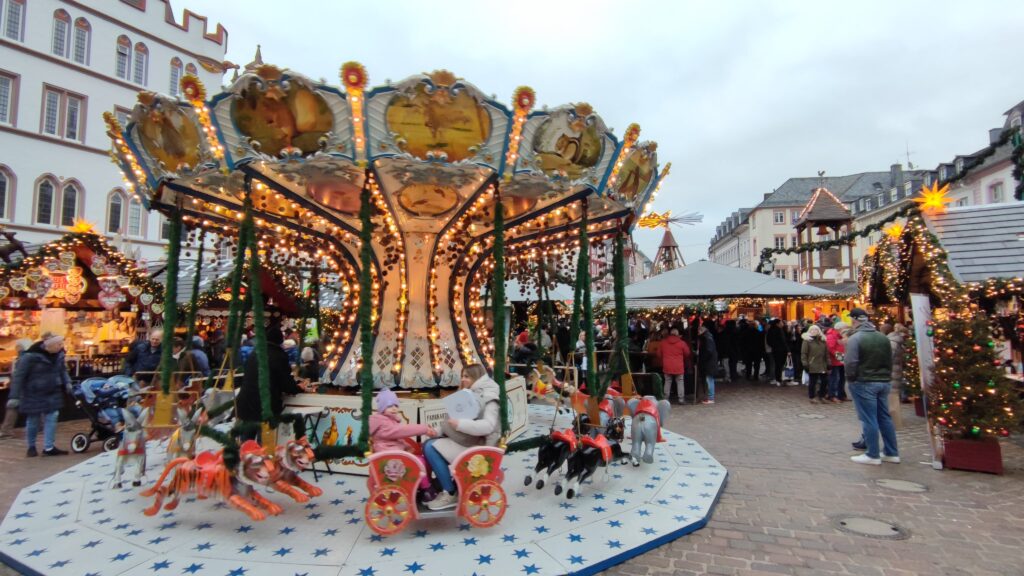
415 201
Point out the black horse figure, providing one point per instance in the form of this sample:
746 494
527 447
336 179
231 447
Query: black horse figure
597 450
552 454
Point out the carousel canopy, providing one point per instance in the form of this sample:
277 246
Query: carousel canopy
704 280
516 292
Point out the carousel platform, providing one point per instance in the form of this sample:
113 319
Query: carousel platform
73 523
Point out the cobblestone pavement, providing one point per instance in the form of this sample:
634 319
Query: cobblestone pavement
789 477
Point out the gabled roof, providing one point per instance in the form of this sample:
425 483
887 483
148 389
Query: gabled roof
823 207
982 241
668 240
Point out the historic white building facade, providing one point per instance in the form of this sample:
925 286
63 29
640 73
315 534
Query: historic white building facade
62 64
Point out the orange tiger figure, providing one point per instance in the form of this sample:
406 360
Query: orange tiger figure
206 475
295 456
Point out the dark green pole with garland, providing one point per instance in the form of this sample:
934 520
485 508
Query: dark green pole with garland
316 301
365 312
621 359
170 300
498 309
577 289
256 291
235 309
588 309
191 322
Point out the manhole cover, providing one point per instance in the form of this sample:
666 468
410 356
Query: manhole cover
901 485
870 527
811 416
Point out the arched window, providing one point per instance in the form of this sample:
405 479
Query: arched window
80 46
176 68
140 65
115 212
69 205
13 14
124 57
6 192
190 68
44 202
61 32
134 218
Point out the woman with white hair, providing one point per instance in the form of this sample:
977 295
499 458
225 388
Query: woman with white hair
814 356
40 377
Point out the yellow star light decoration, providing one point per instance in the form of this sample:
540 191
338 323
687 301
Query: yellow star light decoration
655 220
895 231
82 226
933 200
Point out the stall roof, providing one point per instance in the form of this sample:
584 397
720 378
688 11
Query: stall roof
515 292
982 241
704 279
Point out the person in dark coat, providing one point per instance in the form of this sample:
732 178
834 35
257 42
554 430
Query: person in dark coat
752 345
730 337
707 355
247 405
776 340
145 357
215 349
40 377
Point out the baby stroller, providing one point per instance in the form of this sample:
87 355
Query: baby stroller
102 399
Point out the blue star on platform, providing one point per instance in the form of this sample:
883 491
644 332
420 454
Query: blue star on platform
367 572
469 541
60 564
531 569
537 516
484 559
540 529
436 546
66 533
18 542
621 501
330 532
614 524
421 533
136 532
628 490
575 538
286 530
573 518
375 537
38 552
576 559
158 540
598 496
508 538
522 553
320 552
204 546
349 511
679 518
192 568
566 505
243 528
354 520
337 502
648 531
169 525
123 526
388 551
694 507
520 494
157 566
464 527
247 548
643 512
238 571
314 516
599 509
120 557
282 551
414 567
203 526
614 544
21 515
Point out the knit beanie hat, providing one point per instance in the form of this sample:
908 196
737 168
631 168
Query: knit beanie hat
385 399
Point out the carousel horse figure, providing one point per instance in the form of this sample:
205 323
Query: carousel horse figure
648 414
552 454
542 383
594 451
206 475
183 441
13 246
132 450
295 456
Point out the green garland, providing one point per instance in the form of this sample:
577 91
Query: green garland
256 291
170 297
235 308
364 314
191 322
577 290
620 360
526 444
588 309
498 308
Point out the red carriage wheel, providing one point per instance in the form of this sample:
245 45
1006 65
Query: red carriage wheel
484 504
387 511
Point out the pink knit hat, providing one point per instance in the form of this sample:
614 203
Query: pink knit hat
385 399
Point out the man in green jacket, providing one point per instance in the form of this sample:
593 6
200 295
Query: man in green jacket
868 364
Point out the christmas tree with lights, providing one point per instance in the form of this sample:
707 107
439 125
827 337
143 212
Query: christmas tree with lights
970 397
911 367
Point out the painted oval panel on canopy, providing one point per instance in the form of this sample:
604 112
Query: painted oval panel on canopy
167 132
638 172
278 113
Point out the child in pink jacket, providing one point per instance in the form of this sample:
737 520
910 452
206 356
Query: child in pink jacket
389 432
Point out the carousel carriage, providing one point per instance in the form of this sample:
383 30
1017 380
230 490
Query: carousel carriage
394 482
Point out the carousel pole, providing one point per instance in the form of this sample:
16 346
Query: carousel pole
588 317
191 322
260 350
577 291
365 311
170 299
236 308
315 279
620 358
498 308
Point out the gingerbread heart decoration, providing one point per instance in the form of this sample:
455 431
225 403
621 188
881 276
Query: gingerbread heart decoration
72 297
18 283
146 298
43 286
123 281
67 259
157 308
4 291
52 266
34 274
134 291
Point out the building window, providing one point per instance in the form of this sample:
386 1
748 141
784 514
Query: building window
780 273
69 205
796 275
175 75
122 115
894 194
6 186
996 192
165 228
61 31
63 114
8 97
44 203
124 57
83 35
879 200
794 216
115 212
140 64
793 240
13 13
780 242
190 68
780 216
134 218
965 201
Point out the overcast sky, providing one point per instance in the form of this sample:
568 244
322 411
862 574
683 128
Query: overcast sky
739 95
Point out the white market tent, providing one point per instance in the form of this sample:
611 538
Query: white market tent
515 292
704 280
